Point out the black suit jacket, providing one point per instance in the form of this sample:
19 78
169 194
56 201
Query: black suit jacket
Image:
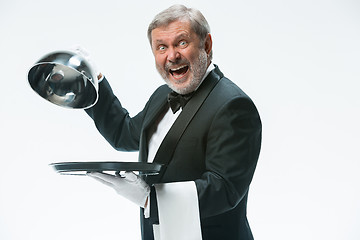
218 150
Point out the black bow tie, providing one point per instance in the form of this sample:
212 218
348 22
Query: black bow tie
177 100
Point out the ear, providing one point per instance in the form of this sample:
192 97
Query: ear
208 44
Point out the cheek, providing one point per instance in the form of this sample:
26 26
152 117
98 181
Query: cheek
190 55
160 61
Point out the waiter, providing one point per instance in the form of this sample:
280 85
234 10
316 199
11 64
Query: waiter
200 125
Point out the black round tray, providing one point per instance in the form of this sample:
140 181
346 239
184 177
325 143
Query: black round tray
81 168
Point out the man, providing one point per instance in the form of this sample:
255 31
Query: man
209 146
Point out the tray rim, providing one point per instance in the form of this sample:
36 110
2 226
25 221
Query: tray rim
99 166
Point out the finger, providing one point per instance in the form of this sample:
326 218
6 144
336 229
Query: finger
130 176
103 178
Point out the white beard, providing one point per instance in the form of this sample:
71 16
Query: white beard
198 69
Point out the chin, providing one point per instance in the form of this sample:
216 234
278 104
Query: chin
184 88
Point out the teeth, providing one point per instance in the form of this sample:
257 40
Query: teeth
177 68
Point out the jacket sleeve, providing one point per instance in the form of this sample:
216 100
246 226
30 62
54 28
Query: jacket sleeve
113 121
233 146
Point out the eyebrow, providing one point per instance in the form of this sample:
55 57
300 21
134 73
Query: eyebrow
182 35
177 38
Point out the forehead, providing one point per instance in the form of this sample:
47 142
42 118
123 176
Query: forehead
171 31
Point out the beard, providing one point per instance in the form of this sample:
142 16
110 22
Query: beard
197 68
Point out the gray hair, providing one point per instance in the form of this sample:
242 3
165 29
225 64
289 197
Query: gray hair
179 12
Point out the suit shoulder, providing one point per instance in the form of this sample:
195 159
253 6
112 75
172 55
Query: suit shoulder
162 90
227 89
227 96
160 93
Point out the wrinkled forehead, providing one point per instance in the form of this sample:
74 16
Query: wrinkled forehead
181 21
176 23
175 29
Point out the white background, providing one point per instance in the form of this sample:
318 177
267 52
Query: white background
298 60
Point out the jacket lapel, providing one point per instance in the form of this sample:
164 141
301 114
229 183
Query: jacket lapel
154 111
168 145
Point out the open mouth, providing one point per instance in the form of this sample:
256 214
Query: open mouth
179 72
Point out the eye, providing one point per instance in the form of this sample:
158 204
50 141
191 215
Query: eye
162 48
182 43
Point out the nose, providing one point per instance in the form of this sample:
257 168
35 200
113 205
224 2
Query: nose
173 55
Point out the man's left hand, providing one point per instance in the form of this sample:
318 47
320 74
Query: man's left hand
128 185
